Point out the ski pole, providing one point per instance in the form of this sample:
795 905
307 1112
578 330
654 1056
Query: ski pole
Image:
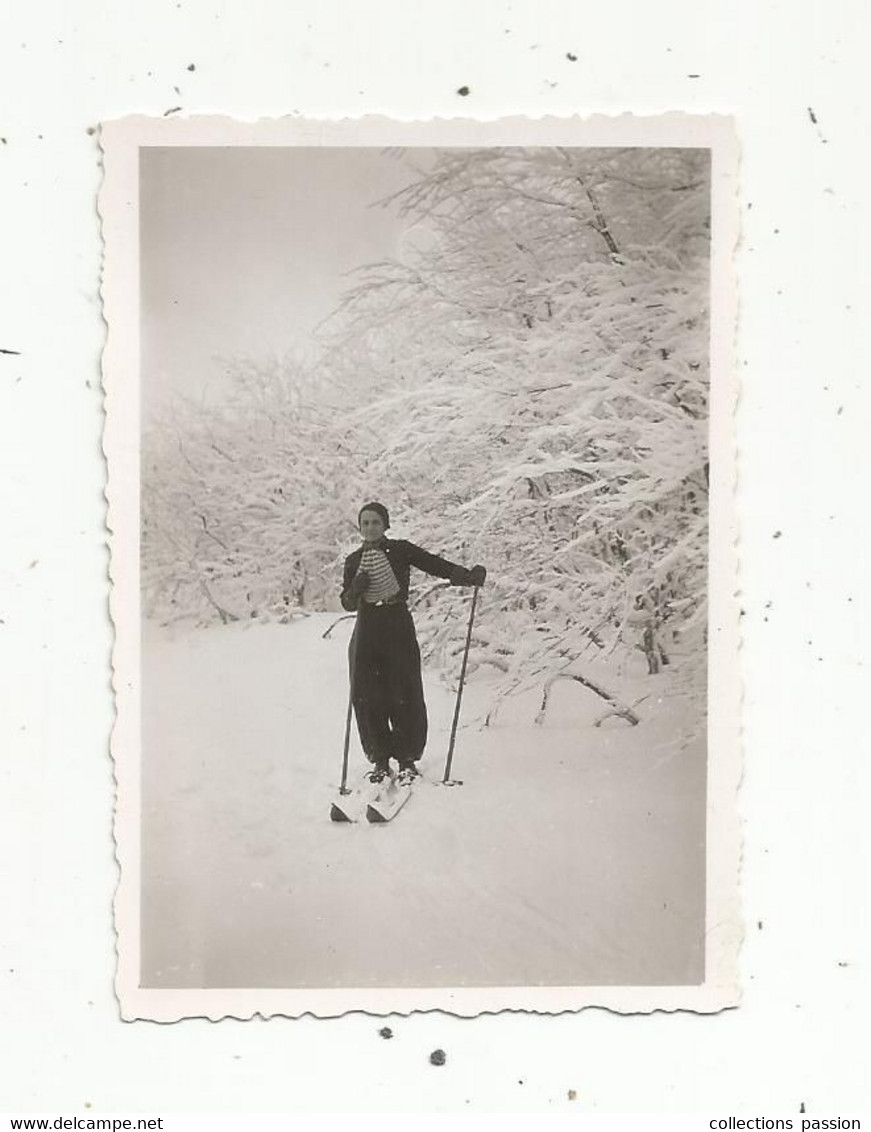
343 789
460 689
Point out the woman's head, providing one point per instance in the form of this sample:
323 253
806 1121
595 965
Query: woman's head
373 520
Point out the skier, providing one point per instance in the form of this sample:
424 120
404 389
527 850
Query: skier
384 657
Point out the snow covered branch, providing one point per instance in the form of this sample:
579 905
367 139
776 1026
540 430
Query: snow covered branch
620 709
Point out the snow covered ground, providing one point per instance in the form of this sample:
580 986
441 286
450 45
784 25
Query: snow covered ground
572 855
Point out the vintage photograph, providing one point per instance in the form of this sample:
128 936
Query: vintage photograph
421 488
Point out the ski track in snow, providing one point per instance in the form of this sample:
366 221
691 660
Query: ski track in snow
572 855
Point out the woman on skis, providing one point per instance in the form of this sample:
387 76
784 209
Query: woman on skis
384 657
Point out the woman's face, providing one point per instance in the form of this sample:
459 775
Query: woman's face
371 526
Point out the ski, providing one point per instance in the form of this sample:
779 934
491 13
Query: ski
342 811
351 807
388 802
377 802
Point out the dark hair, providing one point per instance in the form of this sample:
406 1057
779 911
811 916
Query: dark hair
379 509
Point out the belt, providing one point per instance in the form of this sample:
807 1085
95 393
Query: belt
385 601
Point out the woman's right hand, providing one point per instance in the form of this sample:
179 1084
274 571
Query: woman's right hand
360 583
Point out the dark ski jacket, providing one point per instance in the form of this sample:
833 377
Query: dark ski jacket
401 555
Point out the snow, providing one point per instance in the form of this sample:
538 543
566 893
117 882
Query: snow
571 855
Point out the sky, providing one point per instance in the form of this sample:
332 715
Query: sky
245 250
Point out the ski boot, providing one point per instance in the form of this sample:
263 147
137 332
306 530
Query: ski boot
408 772
378 773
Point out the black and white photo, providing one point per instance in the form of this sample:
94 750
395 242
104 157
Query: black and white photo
421 467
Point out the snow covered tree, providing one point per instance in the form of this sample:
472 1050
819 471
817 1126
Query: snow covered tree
535 373
240 499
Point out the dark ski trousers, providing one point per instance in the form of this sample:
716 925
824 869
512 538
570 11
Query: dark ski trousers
387 690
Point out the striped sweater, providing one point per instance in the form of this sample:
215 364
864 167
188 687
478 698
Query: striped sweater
382 580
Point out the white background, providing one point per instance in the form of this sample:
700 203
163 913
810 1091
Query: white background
802 428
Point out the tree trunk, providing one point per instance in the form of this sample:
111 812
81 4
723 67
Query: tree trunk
601 225
225 614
